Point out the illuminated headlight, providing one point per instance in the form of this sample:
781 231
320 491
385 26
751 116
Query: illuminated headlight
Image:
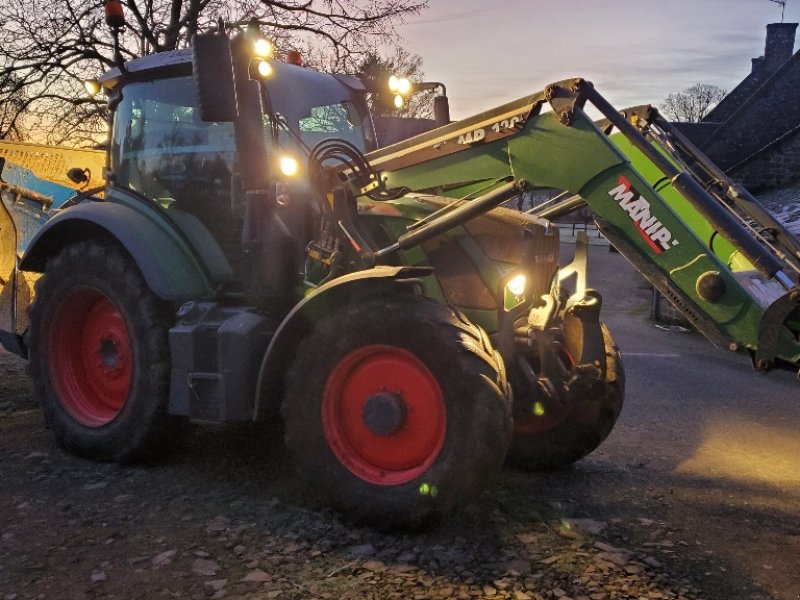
403 86
516 285
264 69
398 101
399 85
289 166
92 87
262 48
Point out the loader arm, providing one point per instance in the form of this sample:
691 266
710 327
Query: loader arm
698 238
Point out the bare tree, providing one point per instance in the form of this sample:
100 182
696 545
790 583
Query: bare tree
10 127
693 103
49 47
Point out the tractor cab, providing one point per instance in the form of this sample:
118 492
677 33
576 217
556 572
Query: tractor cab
220 179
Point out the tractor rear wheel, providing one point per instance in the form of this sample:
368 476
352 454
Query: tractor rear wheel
99 354
397 410
559 436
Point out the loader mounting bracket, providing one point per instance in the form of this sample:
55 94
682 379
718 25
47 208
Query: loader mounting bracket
564 100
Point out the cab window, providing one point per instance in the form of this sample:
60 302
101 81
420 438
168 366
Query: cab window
163 150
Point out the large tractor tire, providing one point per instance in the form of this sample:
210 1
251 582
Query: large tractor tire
561 435
99 354
397 410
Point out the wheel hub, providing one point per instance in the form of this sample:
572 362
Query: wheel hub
384 437
384 413
109 354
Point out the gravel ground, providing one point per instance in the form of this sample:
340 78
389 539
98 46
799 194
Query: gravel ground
224 518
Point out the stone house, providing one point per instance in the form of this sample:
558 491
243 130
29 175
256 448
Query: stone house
754 132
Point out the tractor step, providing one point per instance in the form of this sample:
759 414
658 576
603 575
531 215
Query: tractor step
216 356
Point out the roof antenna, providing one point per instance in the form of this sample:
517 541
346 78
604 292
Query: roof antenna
783 6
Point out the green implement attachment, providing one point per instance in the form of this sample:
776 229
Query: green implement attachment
700 239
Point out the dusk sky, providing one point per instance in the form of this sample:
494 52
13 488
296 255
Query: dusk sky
637 51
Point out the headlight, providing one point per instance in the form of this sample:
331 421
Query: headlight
92 87
399 85
262 48
403 86
289 166
516 285
264 69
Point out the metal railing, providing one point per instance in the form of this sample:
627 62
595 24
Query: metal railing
568 231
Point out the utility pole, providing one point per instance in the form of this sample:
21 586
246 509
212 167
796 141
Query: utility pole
783 6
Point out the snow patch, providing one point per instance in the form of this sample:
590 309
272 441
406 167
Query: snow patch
785 205
789 216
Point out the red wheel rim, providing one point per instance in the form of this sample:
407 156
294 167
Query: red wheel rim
90 357
406 452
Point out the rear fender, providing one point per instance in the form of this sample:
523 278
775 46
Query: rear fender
353 287
170 268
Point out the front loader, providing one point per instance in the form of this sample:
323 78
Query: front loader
698 237
253 256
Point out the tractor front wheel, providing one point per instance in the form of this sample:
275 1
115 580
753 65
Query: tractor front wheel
99 354
547 438
397 410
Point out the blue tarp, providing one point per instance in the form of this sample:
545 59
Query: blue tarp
30 215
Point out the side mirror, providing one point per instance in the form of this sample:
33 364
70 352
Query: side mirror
441 110
213 77
78 176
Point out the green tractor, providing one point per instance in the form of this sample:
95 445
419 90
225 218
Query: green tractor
253 256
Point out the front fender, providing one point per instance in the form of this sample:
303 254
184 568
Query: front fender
353 287
169 266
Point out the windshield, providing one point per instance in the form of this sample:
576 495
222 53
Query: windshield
315 107
162 149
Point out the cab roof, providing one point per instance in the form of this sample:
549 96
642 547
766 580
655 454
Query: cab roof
180 63
174 59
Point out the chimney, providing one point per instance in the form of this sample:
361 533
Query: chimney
780 43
